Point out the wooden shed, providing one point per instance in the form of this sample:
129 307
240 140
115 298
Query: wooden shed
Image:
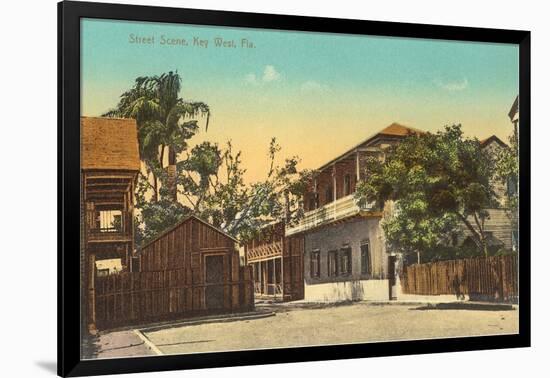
209 261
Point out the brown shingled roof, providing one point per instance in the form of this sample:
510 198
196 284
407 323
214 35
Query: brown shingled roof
109 143
395 129
399 130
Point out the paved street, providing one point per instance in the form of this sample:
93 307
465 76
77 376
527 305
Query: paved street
294 325
351 323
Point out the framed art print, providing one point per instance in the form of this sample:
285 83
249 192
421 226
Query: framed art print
241 188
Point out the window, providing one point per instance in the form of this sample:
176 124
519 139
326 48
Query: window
315 264
332 263
328 195
313 201
511 186
347 185
345 261
102 272
365 258
110 221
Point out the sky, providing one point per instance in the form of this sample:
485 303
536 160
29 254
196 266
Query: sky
319 94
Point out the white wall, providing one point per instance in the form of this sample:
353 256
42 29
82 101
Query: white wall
28 30
366 290
350 234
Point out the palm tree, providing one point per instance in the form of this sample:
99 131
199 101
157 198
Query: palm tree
165 122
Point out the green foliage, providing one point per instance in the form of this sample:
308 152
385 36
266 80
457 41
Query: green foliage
165 123
414 229
437 180
214 188
159 216
154 216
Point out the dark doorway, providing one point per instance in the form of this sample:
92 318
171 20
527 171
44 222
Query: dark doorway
214 282
392 277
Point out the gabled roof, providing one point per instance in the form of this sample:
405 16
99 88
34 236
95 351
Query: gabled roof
185 220
492 138
393 130
109 143
396 129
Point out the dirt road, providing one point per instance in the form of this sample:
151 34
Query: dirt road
353 323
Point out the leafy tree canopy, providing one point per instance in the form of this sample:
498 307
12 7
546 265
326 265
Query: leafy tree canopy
435 180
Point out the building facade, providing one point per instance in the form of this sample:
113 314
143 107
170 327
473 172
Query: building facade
345 256
109 169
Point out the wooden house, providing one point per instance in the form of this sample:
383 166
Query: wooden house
209 260
499 226
109 168
277 262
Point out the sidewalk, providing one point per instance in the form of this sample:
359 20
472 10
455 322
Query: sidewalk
132 341
424 302
124 343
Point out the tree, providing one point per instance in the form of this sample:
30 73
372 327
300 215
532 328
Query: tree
414 231
165 123
436 180
154 216
214 189
209 180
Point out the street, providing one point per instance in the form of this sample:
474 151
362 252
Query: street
350 323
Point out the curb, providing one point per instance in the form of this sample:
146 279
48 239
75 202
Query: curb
148 342
219 319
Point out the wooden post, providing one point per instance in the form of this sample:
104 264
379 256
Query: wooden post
91 295
265 277
274 278
334 182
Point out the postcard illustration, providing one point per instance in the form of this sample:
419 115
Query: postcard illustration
250 189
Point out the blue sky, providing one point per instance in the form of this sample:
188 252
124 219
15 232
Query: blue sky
334 90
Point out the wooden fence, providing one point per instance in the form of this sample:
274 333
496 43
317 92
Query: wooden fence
141 297
493 278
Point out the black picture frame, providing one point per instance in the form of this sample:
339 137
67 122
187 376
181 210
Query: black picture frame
69 15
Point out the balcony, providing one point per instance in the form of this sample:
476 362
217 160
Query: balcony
340 209
108 235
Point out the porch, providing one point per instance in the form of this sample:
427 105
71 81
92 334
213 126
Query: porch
268 283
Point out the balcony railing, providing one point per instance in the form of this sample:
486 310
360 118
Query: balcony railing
336 210
269 289
107 234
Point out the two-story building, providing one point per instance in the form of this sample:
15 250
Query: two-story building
345 255
337 250
110 166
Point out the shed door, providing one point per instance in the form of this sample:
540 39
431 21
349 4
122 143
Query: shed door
214 281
